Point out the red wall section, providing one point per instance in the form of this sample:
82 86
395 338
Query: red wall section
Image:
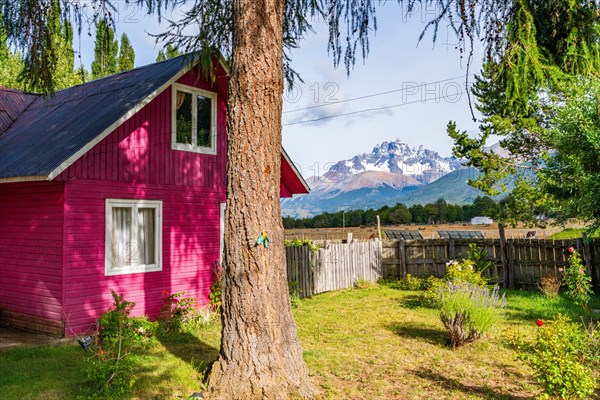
31 248
136 162
190 244
139 151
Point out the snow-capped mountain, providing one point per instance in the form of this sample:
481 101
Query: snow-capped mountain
386 175
396 157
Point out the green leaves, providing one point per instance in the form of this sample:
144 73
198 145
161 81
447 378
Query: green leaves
562 358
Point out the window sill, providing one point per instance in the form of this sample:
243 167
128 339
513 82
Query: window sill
193 149
132 270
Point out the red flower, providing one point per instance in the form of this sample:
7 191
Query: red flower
539 322
571 249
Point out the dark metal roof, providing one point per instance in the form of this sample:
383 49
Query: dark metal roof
403 234
12 103
461 234
38 133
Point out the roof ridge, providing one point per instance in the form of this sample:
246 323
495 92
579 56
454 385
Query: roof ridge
26 92
124 72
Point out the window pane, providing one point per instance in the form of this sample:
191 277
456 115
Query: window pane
203 133
121 236
184 117
146 235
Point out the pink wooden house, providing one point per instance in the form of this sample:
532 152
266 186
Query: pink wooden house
115 184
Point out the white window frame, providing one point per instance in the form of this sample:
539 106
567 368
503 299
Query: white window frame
109 269
193 147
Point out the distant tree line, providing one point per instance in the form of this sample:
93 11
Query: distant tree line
433 213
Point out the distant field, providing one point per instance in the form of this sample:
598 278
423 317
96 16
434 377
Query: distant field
428 231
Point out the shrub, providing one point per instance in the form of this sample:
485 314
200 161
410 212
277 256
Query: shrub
479 257
178 314
468 311
431 282
362 283
430 297
464 271
110 370
550 285
562 358
294 294
410 282
579 284
300 242
215 289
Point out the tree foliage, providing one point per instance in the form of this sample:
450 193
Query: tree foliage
14 68
571 175
106 50
548 46
126 60
399 214
168 52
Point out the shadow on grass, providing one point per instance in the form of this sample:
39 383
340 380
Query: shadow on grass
482 392
410 301
190 349
433 336
530 306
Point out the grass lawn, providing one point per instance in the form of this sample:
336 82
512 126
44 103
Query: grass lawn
372 343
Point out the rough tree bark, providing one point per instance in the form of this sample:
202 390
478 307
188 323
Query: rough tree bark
260 355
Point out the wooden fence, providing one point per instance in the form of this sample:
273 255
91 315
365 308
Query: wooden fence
526 259
339 265
336 266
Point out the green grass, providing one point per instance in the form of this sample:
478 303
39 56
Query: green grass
373 343
568 233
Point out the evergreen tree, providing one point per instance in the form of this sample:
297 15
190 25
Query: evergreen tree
106 49
60 37
170 51
65 75
11 64
126 54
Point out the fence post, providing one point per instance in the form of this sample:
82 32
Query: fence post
452 249
402 258
586 255
503 253
594 259
511 263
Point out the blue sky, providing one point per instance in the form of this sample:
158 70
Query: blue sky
413 111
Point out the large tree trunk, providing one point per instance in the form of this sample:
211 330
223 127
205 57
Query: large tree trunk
260 355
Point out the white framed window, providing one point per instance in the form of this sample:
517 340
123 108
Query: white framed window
133 236
193 119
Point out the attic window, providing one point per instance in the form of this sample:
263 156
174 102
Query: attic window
194 120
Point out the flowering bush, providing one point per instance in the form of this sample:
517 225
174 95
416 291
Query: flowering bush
468 311
562 357
464 271
579 284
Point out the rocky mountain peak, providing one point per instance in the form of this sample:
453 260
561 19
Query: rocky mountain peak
396 157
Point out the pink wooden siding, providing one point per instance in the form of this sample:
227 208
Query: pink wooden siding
136 162
31 248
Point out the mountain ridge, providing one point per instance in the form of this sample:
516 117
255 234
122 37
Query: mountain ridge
391 173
